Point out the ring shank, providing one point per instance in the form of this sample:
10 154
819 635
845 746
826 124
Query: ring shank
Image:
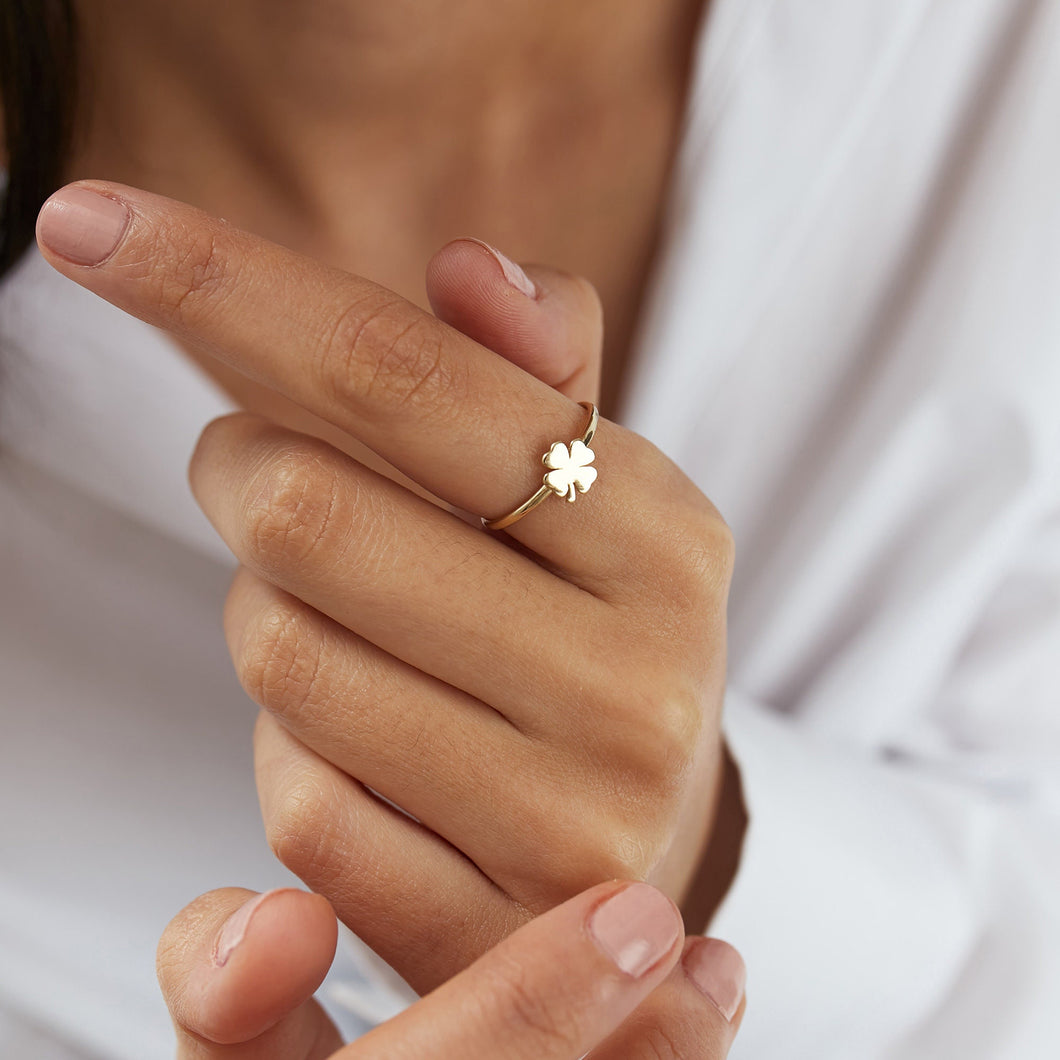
530 504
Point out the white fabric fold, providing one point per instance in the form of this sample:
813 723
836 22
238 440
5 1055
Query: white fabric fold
99 400
852 345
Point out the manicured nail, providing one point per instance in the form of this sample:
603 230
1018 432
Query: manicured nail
636 928
719 972
234 929
82 226
512 273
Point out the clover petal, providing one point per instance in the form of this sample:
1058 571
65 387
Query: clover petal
581 454
570 470
557 456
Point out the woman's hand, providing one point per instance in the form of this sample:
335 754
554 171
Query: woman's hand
238 971
545 702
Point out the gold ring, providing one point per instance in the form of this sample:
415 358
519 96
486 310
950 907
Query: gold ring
568 472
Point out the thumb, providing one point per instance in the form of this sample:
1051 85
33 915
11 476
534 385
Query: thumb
694 1015
238 971
546 321
550 991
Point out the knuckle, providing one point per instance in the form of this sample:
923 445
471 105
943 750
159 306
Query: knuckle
655 734
673 733
301 832
686 548
387 356
621 850
291 517
700 553
580 837
623 843
638 792
617 821
280 659
623 854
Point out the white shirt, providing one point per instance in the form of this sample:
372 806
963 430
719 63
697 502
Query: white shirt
853 346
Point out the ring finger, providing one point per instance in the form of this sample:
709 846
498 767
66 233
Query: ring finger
406 575
457 418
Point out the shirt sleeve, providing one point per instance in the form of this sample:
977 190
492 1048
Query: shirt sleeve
903 901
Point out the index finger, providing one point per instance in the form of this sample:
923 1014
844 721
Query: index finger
455 417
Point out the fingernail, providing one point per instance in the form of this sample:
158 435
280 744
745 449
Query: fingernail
234 929
512 273
636 928
82 226
719 972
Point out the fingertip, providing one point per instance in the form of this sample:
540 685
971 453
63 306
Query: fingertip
469 265
266 958
474 288
718 972
691 1013
82 225
638 928
546 321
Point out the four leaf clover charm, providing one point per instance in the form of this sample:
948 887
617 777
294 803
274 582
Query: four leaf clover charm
570 469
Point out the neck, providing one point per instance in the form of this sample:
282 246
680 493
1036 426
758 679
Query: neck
309 103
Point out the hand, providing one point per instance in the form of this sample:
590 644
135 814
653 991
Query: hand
238 970
545 702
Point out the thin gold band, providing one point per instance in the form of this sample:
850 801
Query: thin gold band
545 490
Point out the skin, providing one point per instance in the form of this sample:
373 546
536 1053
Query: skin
547 992
369 134
605 733
261 1002
303 133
